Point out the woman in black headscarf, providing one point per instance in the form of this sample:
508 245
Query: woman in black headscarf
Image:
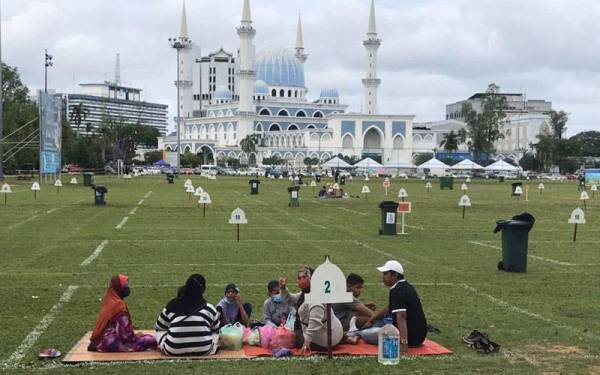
188 325
311 320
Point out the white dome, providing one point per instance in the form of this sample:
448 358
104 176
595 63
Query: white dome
261 88
222 93
330 93
279 67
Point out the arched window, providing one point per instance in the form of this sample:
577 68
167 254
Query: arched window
282 93
398 143
318 114
274 128
296 94
273 93
289 93
347 142
293 127
265 112
283 113
311 126
300 113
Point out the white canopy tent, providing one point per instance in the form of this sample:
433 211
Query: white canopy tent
436 167
367 163
336 162
502 166
467 165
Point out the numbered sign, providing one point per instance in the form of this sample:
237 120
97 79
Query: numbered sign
238 216
294 194
336 186
291 178
313 184
541 187
198 191
204 198
390 218
188 182
190 189
404 207
468 180
367 178
58 183
35 186
350 178
365 190
428 185
328 285
5 189
584 196
464 201
296 179
73 181
402 193
464 187
577 216
518 190
281 177
594 188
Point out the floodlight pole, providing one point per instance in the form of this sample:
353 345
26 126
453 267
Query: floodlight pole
47 63
1 106
178 44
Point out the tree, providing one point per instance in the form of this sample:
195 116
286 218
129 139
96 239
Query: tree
450 141
152 157
190 160
588 143
558 122
529 162
123 138
485 128
275 160
78 114
419 159
248 144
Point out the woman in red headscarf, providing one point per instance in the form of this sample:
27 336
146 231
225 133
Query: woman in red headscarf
114 330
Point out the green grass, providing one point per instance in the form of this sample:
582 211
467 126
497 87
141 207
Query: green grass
535 315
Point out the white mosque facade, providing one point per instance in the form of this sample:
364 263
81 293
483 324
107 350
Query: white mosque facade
265 94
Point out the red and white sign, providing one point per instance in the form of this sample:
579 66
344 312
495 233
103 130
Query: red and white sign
386 184
405 207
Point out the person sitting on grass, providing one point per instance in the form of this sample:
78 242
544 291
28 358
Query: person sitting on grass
275 311
404 306
323 192
188 325
232 308
355 311
113 331
311 321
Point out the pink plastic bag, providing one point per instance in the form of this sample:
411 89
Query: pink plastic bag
283 339
247 332
266 335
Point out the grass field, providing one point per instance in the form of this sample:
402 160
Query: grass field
59 251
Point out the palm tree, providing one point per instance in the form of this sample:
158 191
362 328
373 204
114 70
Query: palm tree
78 114
558 121
450 141
248 144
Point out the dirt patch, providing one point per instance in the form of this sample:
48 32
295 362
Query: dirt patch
566 350
594 370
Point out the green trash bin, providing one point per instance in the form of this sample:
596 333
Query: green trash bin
515 242
342 180
254 186
389 214
170 178
294 196
514 187
446 183
88 179
501 179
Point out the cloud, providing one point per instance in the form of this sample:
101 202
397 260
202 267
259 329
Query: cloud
433 53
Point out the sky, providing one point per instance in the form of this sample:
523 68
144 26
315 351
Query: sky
433 52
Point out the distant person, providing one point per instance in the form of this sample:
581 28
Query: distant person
323 192
232 308
275 310
311 321
113 331
189 325
354 311
404 306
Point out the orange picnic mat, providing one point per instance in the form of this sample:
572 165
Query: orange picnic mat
79 353
361 349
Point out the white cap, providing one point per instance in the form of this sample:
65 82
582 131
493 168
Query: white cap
392 265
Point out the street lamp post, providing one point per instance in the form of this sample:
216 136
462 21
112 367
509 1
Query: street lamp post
48 62
178 44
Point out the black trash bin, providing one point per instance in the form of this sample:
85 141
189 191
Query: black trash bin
170 178
500 178
99 192
514 187
318 178
254 187
294 196
342 180
515 242
389 214
88 179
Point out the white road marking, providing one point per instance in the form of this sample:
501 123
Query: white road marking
389 255
52 210
133 211
140 202
95 254
313 224
122 223
355 212
23 222
148 194
35 334
553 261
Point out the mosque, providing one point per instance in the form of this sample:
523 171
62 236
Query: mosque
264 93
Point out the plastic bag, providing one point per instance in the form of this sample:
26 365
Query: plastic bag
230 337
266 335
291 320
283 339
247 332
254 337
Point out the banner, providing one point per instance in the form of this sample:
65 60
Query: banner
50 133
592 177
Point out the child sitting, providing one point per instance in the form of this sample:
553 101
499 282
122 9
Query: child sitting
231 307
275 310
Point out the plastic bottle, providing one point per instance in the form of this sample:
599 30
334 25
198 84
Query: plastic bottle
389 344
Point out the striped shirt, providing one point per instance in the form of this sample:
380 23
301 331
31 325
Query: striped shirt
184 335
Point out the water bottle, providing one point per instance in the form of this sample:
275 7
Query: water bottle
389 344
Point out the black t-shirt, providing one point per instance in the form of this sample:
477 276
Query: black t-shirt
403 297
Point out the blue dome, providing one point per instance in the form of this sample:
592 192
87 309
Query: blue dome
261 88
279 67
330 93
222 93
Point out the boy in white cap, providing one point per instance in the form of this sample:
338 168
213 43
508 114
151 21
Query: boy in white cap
404 306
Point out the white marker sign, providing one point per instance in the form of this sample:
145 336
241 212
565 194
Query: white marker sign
313 184
328 285
58 183
336 186
468 180
402 193
5 189
190 189
594 188
188 182
73 181
518 190
238 216
35 186
577 217
367 178
584 196
464 201
541 186
428 185
204 198
198 191
464 187
365 190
